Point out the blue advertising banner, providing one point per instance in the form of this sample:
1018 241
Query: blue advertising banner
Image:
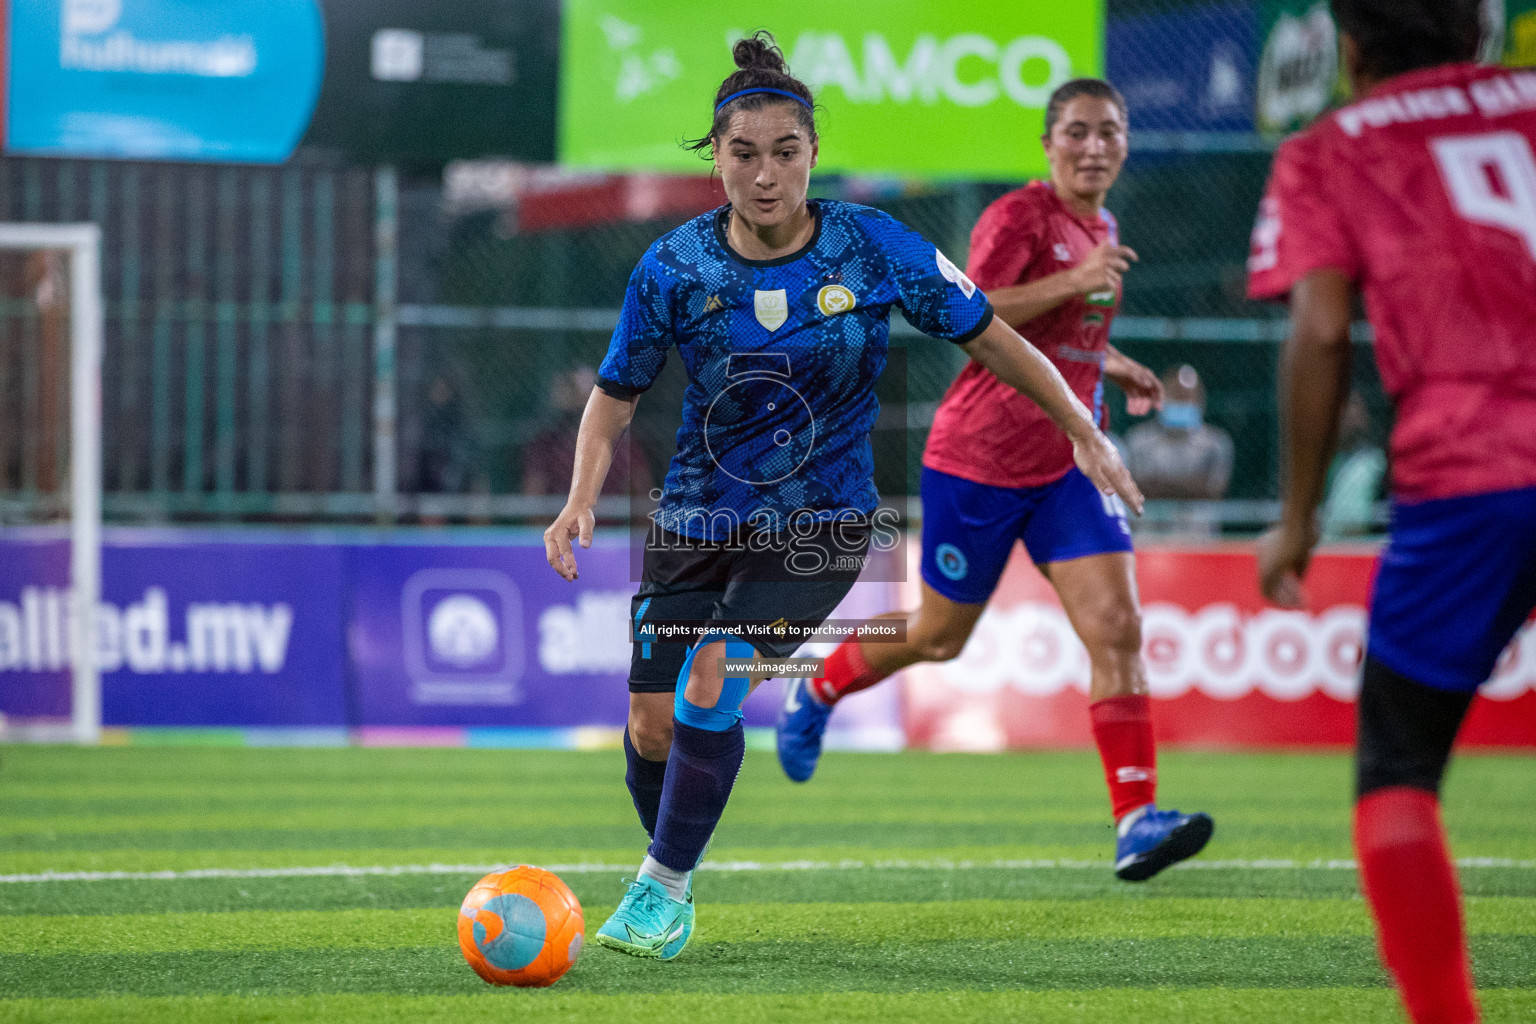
366 632
224 80
490 636
34 636
1188 69
232 633
191 631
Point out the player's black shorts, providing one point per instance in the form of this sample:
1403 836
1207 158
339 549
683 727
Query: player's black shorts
754 577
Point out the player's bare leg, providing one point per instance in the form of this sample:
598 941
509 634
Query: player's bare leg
1098 593
649 736
650 724
937 631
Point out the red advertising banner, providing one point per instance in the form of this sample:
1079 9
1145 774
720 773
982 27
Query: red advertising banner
1225 668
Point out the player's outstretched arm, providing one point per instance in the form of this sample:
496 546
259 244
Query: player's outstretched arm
602 424
1024 368
1314 381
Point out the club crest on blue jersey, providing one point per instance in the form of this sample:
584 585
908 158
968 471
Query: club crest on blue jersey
772 308
834 299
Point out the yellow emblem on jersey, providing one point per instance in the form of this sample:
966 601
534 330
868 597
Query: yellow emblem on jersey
834 299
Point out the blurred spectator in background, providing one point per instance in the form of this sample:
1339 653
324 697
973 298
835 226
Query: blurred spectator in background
447 451
551 454
1355 475
1178 455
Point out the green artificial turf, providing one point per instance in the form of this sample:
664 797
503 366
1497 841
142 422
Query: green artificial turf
892 887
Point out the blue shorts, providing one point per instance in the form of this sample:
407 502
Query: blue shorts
969 528
1456 580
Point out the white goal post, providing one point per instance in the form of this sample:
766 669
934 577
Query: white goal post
82 243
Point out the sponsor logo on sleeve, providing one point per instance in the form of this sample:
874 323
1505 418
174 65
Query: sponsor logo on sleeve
953 275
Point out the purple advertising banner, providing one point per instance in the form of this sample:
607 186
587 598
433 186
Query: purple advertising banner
204 628
491 636
488 635
227 632
34 629
193 629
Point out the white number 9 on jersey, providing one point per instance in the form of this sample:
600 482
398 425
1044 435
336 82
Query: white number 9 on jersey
1491 180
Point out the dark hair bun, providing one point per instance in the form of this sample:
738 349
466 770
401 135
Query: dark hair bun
759 51
760 72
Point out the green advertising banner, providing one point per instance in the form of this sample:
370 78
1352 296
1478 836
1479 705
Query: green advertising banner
1299 73
906 86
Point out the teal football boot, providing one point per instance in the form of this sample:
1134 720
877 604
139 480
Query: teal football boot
684 932
649 923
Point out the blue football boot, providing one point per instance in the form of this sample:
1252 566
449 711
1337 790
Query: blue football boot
1157 839
649 923
802 722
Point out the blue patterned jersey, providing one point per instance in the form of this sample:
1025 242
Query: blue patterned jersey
782 357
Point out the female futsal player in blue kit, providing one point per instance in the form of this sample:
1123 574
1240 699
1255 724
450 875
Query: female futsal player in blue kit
779 308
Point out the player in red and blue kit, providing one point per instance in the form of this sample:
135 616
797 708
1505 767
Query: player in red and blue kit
996 471
779 309
1420 196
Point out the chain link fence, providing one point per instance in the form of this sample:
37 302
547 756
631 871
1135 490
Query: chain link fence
249 344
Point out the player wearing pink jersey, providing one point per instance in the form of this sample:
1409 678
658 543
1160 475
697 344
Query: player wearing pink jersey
1420 196
996 471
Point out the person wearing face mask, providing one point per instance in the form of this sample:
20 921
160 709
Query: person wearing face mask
1179 455
779 308
996 471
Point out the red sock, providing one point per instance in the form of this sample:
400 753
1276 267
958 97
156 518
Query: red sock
1122 727
845 672
1408 877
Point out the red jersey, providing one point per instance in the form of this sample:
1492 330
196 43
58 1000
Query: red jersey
984 430
1424 195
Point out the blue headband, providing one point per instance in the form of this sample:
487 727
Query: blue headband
761 88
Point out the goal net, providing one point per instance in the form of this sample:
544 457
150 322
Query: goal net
50 481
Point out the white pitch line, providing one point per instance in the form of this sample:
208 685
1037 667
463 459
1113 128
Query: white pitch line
348 871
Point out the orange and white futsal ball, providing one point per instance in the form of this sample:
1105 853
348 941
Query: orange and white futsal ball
522 926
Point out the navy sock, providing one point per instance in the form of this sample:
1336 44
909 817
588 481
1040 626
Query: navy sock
644 779
701 770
